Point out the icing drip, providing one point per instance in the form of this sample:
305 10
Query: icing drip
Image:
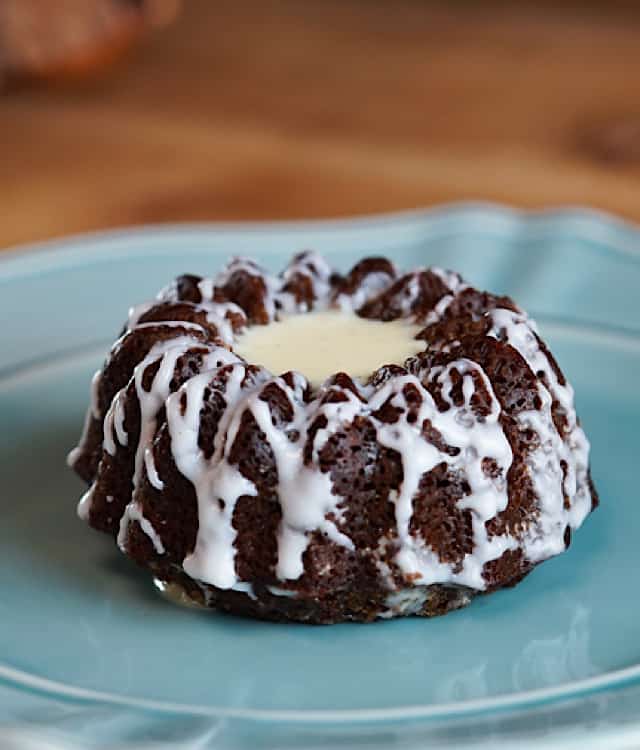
214 479
206 289
136 312
297 481
244 588
150 403
152 400
546 536
455 284
373 285
278 301
247 266
151 471
413 290
84 504
476 438
165 324
318 272
132 514
217 316
277 591
114 422
450 279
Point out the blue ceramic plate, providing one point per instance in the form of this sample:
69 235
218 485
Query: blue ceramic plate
89 652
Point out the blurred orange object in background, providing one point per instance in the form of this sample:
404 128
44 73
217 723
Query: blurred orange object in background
59 39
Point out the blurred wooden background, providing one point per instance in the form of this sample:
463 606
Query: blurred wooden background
290 108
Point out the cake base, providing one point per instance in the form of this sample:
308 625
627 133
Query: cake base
278 605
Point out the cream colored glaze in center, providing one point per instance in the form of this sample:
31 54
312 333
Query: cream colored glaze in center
322 343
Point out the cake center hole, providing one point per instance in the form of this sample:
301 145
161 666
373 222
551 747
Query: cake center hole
320 344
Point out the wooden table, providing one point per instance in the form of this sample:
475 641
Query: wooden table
291 108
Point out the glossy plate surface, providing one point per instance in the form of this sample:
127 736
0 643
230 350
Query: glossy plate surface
87 646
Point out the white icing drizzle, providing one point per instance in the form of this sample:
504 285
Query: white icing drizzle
168 324
213 559
239 264
295 482
213 479
168 352
439 310
277 591
248 266
74 454
318 271
150 403
114 422
216 312
244 588
373 284
456 285
137 311
151 471
411 294
476 438
278 302
217 316
134 513
450 279
206 288
546 536
84 504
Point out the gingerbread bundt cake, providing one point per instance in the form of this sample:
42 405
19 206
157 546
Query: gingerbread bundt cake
414 442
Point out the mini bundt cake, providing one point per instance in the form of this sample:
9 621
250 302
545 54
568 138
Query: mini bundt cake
405 490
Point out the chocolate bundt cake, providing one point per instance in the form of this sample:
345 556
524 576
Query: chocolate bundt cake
392 483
